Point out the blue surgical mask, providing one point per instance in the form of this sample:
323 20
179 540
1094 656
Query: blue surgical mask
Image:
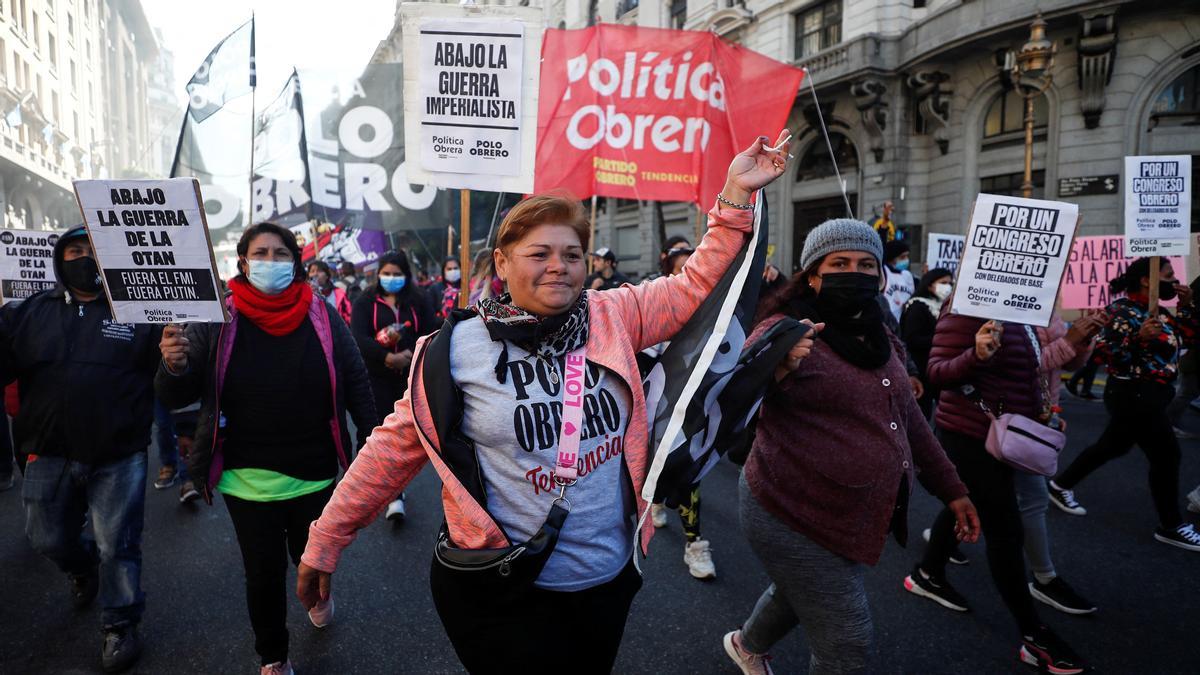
901 265
270 276
392 284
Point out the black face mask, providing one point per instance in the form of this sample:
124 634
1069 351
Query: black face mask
1166 290
846 294
82 274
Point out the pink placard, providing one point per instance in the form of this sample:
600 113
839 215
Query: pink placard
1094 262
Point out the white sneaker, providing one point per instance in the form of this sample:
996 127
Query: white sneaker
278 668
699 559
658 515
751 664
1183 536
395 511
321 614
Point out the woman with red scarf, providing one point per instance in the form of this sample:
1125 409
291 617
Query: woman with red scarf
275 384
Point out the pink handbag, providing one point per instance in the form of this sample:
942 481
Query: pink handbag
1025 444
1021 442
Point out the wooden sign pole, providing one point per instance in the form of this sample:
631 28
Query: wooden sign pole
450 243
465 247
1153 286
700 223
591 260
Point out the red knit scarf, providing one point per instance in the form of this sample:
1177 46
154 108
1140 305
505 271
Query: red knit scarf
277 314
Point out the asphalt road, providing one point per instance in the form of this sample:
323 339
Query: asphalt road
196 620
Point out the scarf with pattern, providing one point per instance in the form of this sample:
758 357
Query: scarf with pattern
548 338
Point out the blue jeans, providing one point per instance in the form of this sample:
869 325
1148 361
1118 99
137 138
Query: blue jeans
168 444
59 493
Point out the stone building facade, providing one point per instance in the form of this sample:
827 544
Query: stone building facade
73 86
918 101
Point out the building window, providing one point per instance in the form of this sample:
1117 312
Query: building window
37 34
625 6
1009 184
1007 114
52 45
818 27
816 162
56 107
1179 101
70 26
678 13
74 76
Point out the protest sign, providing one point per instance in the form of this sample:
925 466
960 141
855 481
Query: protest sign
470 94
1158 203
1015 255
26 263
1094 262
151 243
653 114
945 250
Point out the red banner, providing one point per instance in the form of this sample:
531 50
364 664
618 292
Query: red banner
653 114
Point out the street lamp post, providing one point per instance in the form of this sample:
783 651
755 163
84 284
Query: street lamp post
1031 76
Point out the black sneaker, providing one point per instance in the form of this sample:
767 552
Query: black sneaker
188 492
956 555
937 590
122 647
1060 596
1183 536
1065 499
1045 651
84 588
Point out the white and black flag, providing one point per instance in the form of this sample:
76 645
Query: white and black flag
226 73
703 393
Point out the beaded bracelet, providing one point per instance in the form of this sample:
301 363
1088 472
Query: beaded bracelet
726 202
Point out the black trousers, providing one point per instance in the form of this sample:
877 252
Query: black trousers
995 498
268 534
1084 377
1137 414
7 455
518 633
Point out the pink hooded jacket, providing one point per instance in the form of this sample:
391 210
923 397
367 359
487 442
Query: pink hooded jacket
623 321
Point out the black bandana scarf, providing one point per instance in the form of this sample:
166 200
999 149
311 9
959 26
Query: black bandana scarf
860 340
548 339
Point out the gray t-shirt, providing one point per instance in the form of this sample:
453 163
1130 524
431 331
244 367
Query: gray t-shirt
516 426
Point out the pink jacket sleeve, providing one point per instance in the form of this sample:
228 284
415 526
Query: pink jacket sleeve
389 460
1059 353
655 310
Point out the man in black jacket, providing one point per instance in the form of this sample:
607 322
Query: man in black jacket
87 391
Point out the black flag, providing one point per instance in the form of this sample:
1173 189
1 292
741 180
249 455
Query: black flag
226 73
703 392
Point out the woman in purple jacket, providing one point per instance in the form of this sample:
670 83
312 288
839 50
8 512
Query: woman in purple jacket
1001 364
832 466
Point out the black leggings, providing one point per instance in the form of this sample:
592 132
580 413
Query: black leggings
268 534
535 630
991 486
1137 414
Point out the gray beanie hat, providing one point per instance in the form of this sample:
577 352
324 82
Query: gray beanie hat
840 234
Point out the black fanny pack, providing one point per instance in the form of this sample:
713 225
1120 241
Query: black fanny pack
516 566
